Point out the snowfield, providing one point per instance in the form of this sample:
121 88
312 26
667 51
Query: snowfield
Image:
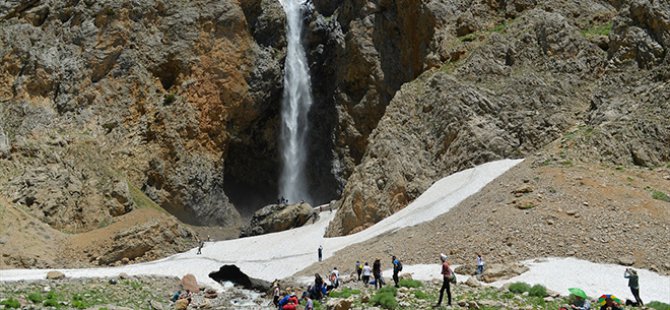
282 254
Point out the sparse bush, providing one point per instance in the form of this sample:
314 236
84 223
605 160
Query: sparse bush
385 298
344 293
410 283
658 305
421 295
79 302
598 30
10 303
519 287
538 291
169 99
35 297
658 195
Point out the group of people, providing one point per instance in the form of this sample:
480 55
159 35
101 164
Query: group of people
610 302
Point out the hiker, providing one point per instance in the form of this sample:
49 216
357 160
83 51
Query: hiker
335 278
275 295
320 252
397 267
367 272
634 284
580 303
610 304
309 304
202 244
377 272
318 284
359 269
480 265
446 279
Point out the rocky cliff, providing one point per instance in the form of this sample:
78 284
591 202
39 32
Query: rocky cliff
508 78
109 108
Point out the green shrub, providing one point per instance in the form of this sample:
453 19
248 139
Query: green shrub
658 195
421 295
538 291
317 305
51 303
344 293
35 297
384 299
79 303
169 99
598 30
410 283
519 287
658 305
10 303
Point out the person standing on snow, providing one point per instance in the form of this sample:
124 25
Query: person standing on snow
634 284
320 252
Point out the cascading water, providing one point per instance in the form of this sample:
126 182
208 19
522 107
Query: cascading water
296 103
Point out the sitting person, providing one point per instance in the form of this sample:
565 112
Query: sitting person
611 305
580 303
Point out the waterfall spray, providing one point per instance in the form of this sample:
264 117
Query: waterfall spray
296 103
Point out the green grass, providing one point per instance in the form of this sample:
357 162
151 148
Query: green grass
136 285
537 291
79 302
500 27
385 298
421 295
10 303
658 195
35 297
141 200
410 283
469 37
519 287
658 305
598 30
344 293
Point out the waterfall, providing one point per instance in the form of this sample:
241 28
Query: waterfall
296 103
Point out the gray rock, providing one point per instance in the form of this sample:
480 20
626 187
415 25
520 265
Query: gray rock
55 275
278 217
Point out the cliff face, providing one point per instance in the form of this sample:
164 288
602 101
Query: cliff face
110 107
510 79
101 98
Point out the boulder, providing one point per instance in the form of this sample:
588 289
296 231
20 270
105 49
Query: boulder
278 217
472 282
55 275
495 272
339 304
232 273
181 304
188 282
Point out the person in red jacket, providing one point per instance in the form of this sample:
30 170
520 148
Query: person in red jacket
446 277
292 303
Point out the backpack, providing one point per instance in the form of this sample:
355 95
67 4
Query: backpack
399 266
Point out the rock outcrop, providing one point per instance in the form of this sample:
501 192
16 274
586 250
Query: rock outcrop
513 89
279 217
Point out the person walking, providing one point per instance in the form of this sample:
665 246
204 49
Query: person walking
320 252
446 278
359 269
634 284
396 269
202 244
480 265
377 272
318 284
367 272
275 295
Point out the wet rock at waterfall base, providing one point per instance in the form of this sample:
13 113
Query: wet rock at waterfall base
279 217
232 273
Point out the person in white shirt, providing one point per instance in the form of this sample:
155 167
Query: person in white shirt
367 272
480 265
